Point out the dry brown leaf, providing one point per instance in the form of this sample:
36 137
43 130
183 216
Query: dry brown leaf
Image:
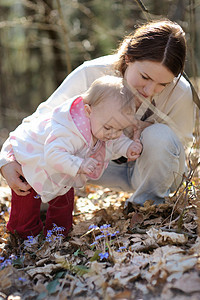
145 245
63 295
153 221
180 263
166 251
188 283
142 287
46 270
42 261
156 272
44 251
3 240
6 283
190 226
127 274
89 253
39 287
136 218
122 225
125 295
167 265
81 228
79 288
77 242
5 278
118 257
164 237
148 207
196 247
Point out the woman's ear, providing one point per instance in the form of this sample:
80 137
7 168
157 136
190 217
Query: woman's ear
127 60
87 110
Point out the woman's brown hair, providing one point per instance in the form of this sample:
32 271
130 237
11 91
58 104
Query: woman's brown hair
159 41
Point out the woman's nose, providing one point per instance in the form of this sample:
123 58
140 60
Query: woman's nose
150 89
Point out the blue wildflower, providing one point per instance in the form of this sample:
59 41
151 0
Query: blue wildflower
99 237
56 228
107 233
59 236
48 240
37 196
6 263
103 255
30 238
113 234
105 226
95 243
121 248
12 256
93 226
49 233
22 279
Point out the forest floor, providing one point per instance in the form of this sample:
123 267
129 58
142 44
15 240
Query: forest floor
151 253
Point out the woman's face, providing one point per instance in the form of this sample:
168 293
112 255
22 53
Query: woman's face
147 77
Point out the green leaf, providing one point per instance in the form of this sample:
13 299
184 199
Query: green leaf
96 255
42 296
60 274
80 269
78 252
18 262
52 286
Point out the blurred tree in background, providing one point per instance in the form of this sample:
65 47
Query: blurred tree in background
41 41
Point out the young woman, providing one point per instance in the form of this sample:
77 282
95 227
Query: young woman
151 61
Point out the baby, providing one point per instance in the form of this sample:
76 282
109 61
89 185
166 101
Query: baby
65 149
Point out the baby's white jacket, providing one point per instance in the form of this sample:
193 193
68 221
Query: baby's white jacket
52 148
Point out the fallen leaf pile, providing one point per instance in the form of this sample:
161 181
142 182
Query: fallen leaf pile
153 252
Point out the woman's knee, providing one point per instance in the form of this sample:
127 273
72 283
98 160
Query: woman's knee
158 138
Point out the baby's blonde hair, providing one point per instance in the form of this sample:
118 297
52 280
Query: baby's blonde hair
107 87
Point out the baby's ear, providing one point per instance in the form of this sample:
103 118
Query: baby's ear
87 110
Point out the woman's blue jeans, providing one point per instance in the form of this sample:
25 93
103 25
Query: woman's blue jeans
156 173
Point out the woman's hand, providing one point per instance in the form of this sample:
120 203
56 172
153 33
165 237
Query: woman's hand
88 166
14 176
134 150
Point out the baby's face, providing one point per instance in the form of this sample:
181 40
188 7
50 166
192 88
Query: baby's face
108 121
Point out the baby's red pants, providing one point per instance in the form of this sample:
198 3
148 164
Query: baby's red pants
25 213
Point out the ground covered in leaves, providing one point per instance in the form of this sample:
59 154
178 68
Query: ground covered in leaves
152 252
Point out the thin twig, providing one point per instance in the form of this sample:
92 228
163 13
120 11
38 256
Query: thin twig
144 10
28 22
65 35
185 190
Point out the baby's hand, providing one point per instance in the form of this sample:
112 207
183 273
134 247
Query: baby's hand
88 166
134 150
